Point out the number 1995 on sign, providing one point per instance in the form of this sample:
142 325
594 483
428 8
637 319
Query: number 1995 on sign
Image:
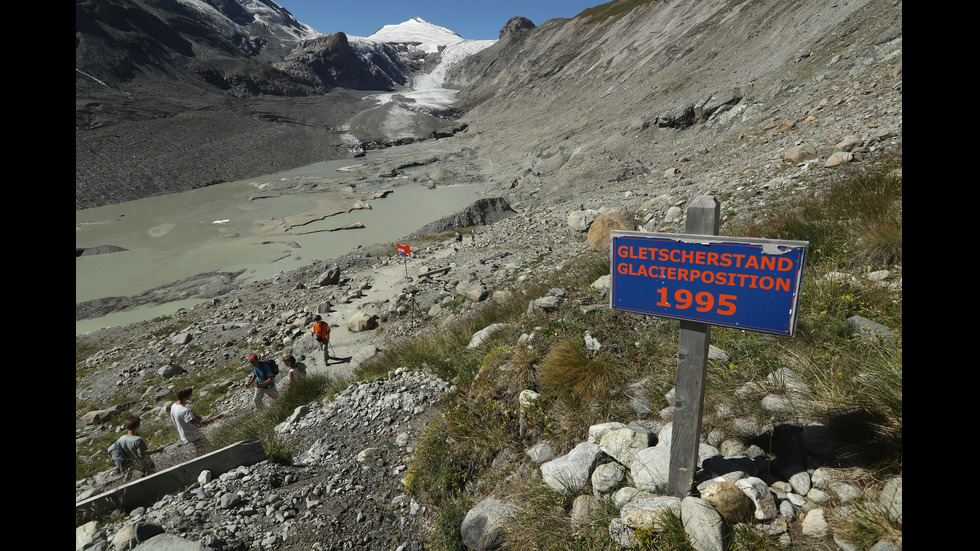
703 301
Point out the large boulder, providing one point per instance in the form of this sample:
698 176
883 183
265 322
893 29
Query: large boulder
624 444
648 512
99 416
703 525
86 534
800 153
762 499
485 333
170 371
581 220
331 276
481 212
730 501
131 535
570 472
362 321
475 291
599 230
651 467
890 499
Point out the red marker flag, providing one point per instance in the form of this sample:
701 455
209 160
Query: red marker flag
403 250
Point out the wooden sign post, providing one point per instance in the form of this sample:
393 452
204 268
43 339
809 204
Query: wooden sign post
692 366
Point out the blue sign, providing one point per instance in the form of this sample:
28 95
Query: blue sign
747 283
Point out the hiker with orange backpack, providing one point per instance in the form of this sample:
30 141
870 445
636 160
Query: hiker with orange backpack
321 333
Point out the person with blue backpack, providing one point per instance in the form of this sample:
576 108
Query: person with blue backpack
131 453
264 374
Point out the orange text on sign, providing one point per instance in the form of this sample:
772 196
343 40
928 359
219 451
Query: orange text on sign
706 276
707 258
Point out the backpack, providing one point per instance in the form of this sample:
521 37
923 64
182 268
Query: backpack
273 366
325 328
117 453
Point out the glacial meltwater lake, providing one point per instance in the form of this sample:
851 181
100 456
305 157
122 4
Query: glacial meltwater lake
211 229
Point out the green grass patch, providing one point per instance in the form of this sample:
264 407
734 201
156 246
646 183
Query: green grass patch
856 222
542 522
259 425
576 375
447 536
440 468
610 10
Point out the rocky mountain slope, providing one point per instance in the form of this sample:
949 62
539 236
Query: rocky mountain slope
641 106
612 92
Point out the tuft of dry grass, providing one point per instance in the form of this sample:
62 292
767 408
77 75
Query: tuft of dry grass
881 243
575 374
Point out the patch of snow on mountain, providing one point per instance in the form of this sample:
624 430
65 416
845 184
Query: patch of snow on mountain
428 90
271 17
260 12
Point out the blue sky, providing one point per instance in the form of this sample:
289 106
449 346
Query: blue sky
471 20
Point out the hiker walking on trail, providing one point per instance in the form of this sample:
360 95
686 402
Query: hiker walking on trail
137 453
265 381
297 370
321 332
188 423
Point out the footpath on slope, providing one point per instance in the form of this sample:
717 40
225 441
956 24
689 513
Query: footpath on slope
386 281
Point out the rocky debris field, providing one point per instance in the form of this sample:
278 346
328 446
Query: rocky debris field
345 490
170 147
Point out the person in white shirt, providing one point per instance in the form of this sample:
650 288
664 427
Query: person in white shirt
297 370
187 422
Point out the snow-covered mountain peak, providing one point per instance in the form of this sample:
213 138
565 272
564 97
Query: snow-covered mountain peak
429 36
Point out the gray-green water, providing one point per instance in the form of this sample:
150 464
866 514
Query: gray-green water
210 229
